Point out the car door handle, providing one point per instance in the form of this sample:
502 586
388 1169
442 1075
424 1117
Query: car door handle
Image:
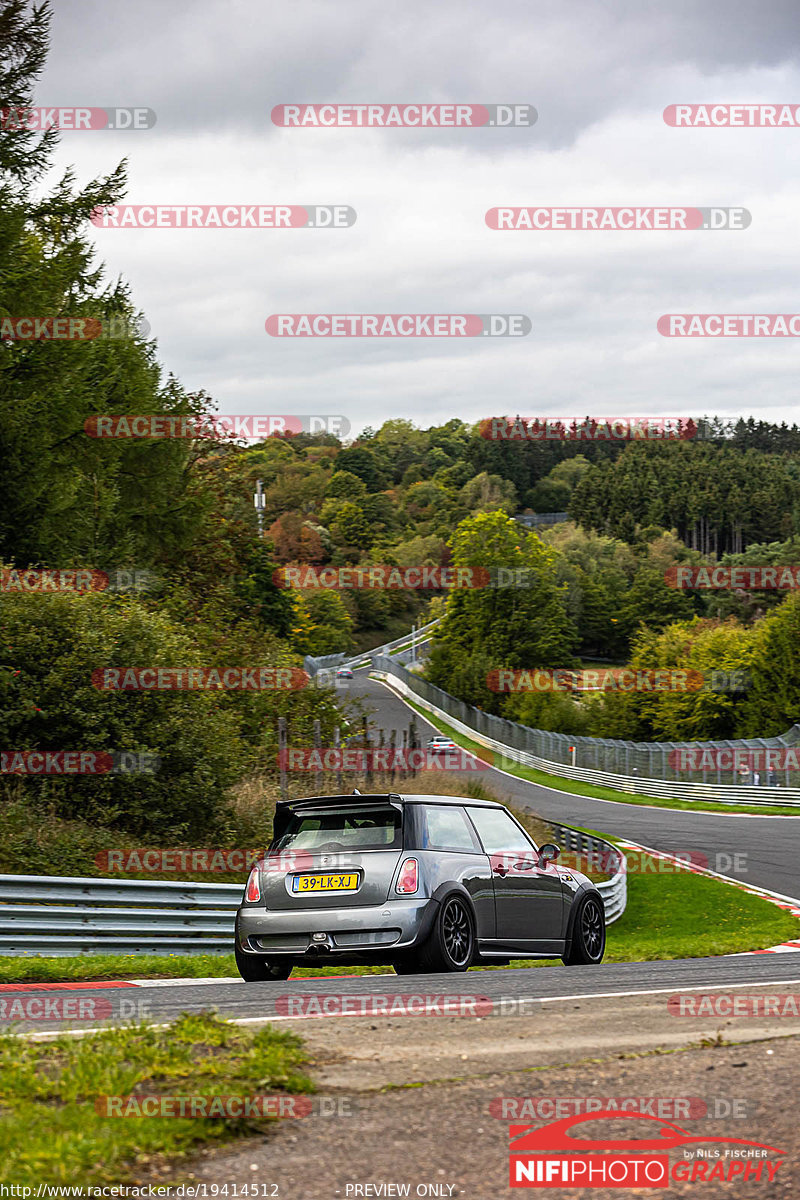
501 870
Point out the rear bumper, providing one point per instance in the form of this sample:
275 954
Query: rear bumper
396 925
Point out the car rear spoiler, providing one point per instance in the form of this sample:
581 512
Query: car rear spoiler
284 809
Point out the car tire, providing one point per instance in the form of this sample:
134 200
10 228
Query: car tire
588 942
450 946
256 968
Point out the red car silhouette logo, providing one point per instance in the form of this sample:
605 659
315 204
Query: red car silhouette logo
555 1136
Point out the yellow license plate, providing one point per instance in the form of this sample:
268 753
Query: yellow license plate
325 883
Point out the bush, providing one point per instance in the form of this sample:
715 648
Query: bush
51 645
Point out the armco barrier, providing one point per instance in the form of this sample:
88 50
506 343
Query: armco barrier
59 917
475 723
313 665
62 916
614 890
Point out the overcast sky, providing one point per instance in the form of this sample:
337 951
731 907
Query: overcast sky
598 73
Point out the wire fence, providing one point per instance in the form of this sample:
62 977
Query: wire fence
761 770
534 520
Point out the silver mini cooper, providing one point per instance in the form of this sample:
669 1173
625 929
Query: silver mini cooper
424 883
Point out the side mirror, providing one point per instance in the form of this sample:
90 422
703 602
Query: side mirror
548 853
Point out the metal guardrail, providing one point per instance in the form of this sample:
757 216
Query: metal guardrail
314 665
420 635
475 723
51 915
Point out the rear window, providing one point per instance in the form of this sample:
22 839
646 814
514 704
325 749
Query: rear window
343 829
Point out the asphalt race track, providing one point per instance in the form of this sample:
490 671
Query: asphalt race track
515 990
771 844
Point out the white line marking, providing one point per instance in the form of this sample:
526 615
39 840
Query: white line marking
192 981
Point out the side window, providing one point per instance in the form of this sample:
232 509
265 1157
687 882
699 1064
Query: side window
498 832
445 827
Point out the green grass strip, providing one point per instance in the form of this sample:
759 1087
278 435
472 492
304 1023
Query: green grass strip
50 1131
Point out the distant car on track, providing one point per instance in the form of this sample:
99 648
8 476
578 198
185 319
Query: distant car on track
424 883
441 745
344 673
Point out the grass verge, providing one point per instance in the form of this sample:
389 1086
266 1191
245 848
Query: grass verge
576 787
50 1131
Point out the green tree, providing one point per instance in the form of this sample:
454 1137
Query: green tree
344 485
325 622
502 626
66 497
51 646
773 703
350 526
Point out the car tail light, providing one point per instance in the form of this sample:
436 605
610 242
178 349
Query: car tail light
408 881
253 889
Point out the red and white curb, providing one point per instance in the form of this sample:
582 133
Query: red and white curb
787 903
192 981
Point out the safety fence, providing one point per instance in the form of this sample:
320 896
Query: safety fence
534 520
642 768
407 642
312 665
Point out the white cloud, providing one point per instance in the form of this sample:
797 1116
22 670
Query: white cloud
599 78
